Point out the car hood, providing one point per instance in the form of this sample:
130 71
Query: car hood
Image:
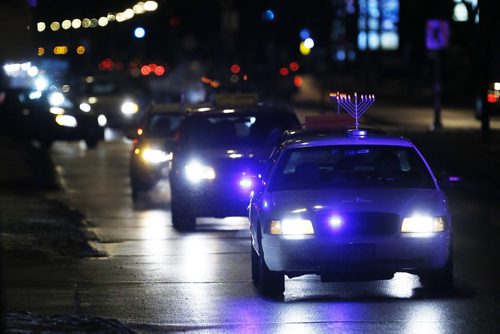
399 201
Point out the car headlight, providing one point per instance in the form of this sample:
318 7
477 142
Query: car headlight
102 120
155 156
196 171
85 107
129 108
66 120
56 99
423 224
56 110
292 226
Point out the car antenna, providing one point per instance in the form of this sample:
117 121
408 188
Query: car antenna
354 108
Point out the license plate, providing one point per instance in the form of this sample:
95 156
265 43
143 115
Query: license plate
355 253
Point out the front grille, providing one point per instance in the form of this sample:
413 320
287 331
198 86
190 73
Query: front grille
359 224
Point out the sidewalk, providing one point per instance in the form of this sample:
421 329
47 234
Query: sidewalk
36 230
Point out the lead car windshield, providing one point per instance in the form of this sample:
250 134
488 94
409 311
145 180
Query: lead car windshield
350 167
238 130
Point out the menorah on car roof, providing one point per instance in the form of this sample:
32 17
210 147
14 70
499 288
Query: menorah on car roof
354 108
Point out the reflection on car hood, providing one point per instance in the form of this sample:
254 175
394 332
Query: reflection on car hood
394 200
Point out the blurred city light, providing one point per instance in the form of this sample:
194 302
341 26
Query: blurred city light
40 26
304 50
309 43
284 71
150 6
103 20
41 83
66 24
268 15
60 50
54 26
294 66
235 69
139 32
304 34
76 23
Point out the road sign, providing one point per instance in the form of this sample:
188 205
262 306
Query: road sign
437 35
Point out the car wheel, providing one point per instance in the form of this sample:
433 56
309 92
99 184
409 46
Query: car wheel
183 218
255 266
439 279
91 143
270 283
92 139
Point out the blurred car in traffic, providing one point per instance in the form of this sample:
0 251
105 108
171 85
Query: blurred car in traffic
152 148
121 99
349 206
47 116
219 151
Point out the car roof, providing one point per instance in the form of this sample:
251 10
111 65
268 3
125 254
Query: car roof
244 109
350 138
159 108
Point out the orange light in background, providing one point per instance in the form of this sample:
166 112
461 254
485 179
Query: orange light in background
284 71
60 50
297 81
145 70
40 51
294 66
140 131
159 70
235 69
245 77
80 50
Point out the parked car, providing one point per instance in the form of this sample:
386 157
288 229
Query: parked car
349 206
218 153
153 145
47 117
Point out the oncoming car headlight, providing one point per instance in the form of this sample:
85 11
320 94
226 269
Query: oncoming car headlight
292 226
196 171
129 108
155 156
66 120
423 224
85 107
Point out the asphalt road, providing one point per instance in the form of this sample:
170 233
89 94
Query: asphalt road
155 279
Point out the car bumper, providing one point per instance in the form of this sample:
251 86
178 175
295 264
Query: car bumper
389 254
148 175
213 199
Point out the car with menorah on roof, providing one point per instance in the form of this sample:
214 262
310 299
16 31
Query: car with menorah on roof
349 206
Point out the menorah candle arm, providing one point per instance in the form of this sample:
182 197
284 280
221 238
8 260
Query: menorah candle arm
349 108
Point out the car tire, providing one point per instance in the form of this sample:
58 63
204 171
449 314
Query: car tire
183 218
91 143
270 283
439 279
92 139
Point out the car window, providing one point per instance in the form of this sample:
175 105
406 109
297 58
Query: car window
350 167
225 130
163 125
